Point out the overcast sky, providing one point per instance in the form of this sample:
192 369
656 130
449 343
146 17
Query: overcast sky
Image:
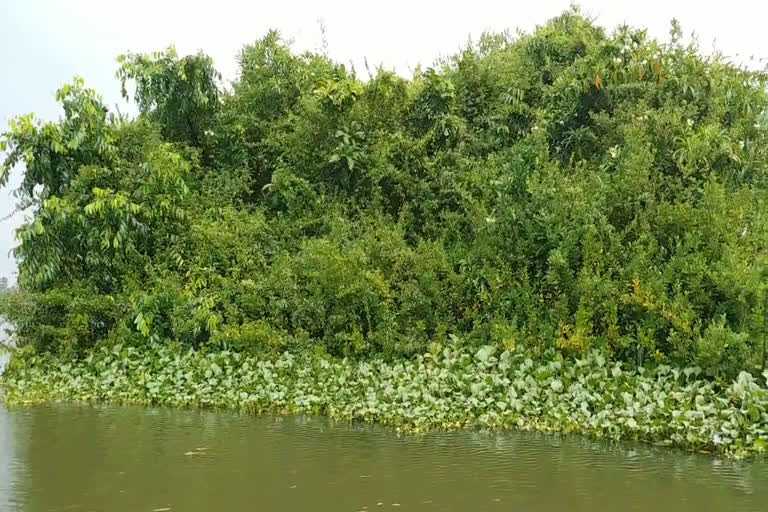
43 43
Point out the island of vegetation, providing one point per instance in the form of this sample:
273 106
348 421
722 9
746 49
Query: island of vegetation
563 231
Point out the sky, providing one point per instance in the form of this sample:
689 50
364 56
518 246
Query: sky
44 43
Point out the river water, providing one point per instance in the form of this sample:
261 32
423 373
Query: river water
80 458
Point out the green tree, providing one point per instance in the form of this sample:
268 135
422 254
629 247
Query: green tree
54 152
553 192
179 94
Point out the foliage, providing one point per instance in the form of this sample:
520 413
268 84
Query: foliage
448 388
560 191
180 95
55 152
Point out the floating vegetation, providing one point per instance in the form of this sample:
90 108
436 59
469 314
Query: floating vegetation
448 388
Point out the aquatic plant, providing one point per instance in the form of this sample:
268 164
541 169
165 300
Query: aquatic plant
447 388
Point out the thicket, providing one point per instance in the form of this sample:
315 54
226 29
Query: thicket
560 191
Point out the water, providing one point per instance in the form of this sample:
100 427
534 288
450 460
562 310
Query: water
79 458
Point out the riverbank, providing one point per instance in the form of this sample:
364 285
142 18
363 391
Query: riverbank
447 389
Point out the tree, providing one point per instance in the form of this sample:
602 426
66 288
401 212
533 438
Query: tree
179 94
554 193
54 152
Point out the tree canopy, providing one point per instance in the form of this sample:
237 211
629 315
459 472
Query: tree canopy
557 191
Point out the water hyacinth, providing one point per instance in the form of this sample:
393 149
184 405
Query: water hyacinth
448 388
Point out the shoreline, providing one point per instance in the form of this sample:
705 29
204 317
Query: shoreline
448 389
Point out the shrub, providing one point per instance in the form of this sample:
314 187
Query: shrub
565 190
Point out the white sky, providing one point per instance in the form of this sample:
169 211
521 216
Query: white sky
43 43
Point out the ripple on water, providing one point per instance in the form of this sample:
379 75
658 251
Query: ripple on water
145 459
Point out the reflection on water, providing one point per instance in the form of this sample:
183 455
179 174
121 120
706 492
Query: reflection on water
121 459
8 459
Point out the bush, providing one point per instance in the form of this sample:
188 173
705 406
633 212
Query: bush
565 190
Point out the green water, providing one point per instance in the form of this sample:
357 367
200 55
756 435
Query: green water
73 458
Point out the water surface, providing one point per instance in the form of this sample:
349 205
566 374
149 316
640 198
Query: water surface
79 458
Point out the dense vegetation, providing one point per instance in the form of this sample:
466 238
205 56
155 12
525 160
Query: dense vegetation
449 388
554 193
